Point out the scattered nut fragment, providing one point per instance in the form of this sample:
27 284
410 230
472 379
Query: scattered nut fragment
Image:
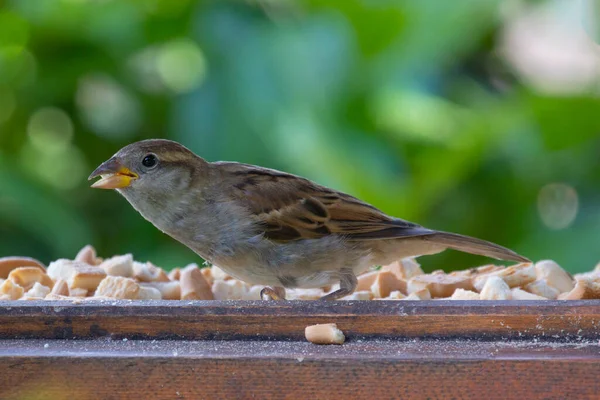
304 294
554 275
583 290
27 276
404 269
385 283
218 274
88 255
440 285
365 281
495 288
229 290
193 284
541 288
7 264
119 266
118 287
79 278
520 294
462 294
86 277
516 275
61 288
395 295
324 334
175 274
148 272
54 296
207 273
78 292
10 290
361 295
149 293
38 291
168 290
253 292
421 294
62 269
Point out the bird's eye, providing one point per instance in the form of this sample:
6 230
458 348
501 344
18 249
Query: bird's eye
150 161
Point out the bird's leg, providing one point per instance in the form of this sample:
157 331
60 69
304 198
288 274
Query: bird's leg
272 293
348 284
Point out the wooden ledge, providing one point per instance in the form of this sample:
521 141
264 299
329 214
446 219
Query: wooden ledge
254 320
238 349
369 369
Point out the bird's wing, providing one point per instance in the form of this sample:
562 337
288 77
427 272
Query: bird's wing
287 207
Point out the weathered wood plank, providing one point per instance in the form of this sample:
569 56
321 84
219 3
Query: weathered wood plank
91 369
196 320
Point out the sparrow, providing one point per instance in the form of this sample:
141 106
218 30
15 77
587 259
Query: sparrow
267 227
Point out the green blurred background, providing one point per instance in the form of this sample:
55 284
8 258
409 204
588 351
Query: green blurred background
473 116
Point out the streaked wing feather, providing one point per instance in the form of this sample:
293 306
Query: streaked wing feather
288 207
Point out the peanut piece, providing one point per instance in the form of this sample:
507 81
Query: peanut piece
86 277
583 290
168 290
304 294
88 256
78 292
421 294
119 266
387 282
440 285
63 269
27 276
404 269
61 288
324 334
38 290
7 264
149 293
175 274
462 294
516 275
541 288
495 288
207 273
395 295
520 294
118 287
366 280
10 290
193 284
148 272
218 274
360 295
554 275
229 290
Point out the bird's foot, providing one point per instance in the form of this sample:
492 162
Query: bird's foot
272 293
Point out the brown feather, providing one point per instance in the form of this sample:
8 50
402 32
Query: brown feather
289 207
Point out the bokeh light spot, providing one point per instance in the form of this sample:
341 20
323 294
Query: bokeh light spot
181 65
50 129
63 169
107 108
558 204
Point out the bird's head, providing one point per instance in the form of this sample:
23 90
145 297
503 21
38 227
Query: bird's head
153 167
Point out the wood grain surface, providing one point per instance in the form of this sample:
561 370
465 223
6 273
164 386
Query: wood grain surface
195 320
213 349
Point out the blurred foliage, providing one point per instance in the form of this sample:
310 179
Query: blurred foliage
473 116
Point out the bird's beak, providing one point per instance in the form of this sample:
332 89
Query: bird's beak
114 175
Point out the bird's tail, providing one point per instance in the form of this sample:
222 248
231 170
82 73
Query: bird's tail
474 246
